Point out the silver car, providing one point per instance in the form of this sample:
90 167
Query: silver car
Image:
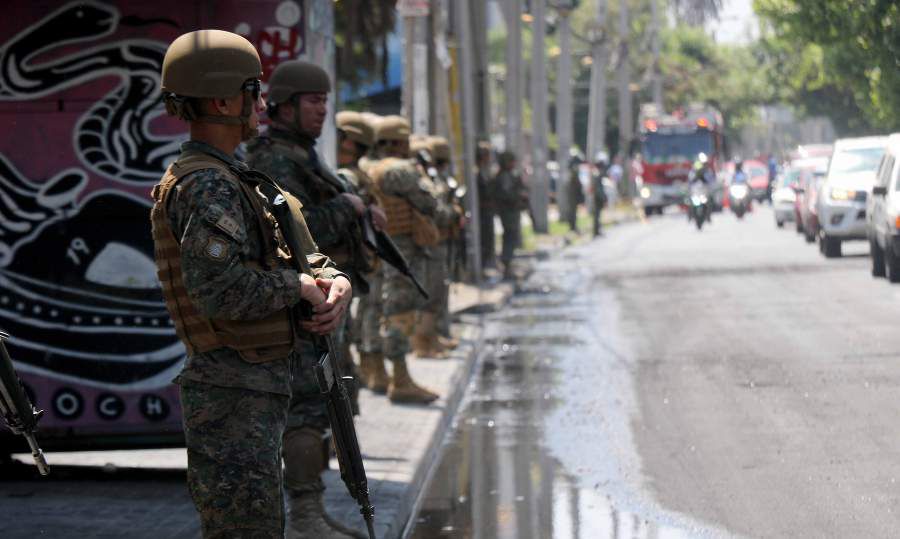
883 215
843 195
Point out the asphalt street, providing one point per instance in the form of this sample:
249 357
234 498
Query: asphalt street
665 382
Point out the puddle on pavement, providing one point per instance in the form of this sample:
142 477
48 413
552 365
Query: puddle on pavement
496 477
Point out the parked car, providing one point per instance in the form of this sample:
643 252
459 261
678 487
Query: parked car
842 201
784 196
811 176
883 214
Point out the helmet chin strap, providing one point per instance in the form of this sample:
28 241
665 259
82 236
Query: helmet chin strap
243 120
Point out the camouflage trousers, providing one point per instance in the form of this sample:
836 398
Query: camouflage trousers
233 439
400 297
437 283
369 316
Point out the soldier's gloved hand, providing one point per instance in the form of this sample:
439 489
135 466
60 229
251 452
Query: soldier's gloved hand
379 218
358 205
328 314
310 291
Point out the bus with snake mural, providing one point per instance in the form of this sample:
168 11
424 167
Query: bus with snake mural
86 139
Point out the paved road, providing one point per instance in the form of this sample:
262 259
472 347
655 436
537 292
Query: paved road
766 377
729 382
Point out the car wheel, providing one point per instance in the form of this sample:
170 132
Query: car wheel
877 254
648 211
779 224
831 247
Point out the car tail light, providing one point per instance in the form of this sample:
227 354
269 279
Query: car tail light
897 222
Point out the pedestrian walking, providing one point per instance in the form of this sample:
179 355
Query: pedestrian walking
297 104
229 289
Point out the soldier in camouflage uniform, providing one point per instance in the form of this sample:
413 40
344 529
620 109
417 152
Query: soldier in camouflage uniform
511 197
297 101
229 289
450 248
426 341
356 138
410 207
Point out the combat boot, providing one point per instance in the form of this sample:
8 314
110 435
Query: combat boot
425 340
308 519
402 389
372 372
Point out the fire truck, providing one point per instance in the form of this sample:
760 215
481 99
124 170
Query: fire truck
669 145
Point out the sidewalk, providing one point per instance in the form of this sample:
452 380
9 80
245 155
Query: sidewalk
103 493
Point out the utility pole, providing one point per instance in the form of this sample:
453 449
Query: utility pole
513 132
626 120
320 51
478 13
467 88
539 184
415 65
657 75
564 107
597 107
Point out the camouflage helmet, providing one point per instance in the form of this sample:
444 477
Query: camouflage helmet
418 143
208 64
393 128
356 127
440 148
297 77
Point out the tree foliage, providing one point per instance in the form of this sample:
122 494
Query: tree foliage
840 57
361 30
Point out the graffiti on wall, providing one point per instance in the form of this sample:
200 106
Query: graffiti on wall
79 86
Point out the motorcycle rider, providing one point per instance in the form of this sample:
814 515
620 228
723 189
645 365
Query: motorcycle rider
702 176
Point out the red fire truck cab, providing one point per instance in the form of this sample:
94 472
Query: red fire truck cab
669 145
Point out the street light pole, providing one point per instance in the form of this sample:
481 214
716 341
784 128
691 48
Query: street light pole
539 183
597 106
467 88
625 115
513 85
564 107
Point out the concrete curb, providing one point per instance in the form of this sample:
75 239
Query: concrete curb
402 444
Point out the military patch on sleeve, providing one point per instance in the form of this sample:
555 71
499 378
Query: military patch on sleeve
228 225
216 248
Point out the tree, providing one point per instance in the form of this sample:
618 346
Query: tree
361 28
847 53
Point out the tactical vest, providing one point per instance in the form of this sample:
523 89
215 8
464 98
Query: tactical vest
399 212
328 187
256 341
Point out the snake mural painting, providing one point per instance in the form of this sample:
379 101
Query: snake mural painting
87 138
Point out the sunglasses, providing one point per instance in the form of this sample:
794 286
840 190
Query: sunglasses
254 86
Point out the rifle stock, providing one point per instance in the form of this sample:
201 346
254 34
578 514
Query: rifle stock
334 386
17 411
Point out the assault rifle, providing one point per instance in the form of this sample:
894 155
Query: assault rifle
17 411
387 250
382 244
333 385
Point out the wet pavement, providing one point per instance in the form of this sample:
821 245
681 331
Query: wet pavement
498 475
665 382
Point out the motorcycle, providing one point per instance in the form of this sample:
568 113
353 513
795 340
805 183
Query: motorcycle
699 205
739 199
